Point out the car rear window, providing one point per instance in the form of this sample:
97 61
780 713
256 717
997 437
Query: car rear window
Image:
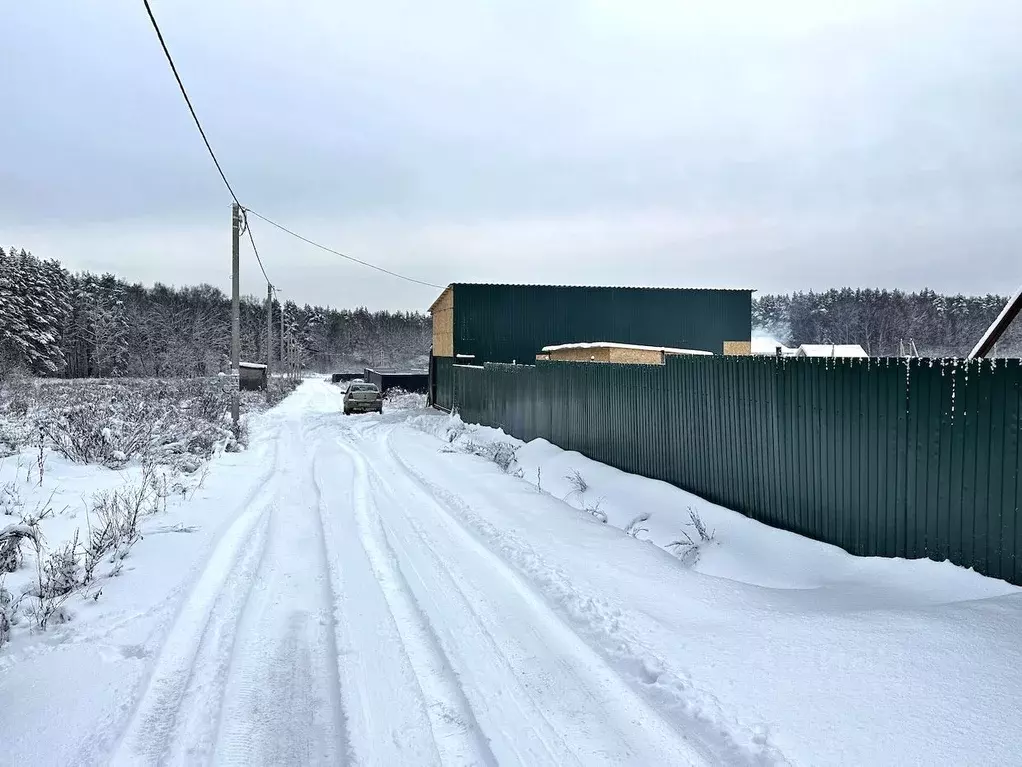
363 387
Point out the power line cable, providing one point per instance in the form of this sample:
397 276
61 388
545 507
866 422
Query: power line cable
248 228
188 101
245 211
205 139
342 255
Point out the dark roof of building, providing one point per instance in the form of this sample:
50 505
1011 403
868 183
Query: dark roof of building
397 372
590 287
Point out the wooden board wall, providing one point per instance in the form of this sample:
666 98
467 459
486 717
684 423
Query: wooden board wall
738 348
443 324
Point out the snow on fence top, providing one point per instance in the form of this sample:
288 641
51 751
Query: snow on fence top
612 345
831 350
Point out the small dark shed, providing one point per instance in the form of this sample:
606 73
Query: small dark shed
251 376
410 380
341 377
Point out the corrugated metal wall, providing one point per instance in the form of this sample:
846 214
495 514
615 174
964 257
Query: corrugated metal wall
504 323
386 380
908 458
443 370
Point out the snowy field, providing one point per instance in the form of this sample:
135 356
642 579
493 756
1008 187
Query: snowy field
407 589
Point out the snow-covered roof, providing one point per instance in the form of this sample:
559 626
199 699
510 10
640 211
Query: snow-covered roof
831 350
766 345
251 366
613 345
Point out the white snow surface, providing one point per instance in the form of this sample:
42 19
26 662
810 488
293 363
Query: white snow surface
364 590
614 345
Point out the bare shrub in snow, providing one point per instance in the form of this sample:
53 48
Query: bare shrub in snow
11 502
700 526
48 609
577 481
208 404
83 435
686 548
114 517
595 510
40 460
42 511
279 388
178 422
15 426
635 526
504 455
60 573
500 452
119 513
12 538
10 439
7 605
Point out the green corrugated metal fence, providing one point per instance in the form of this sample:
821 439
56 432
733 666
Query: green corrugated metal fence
890 457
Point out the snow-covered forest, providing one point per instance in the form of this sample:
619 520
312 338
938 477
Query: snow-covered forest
53 322
881 320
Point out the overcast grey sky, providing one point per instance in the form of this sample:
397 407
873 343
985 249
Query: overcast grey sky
779 145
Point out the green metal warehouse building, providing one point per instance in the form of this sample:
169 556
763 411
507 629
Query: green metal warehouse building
476 323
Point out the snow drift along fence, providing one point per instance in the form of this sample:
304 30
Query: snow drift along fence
888 457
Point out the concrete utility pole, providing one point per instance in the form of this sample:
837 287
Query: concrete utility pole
235 309
269 331
235 287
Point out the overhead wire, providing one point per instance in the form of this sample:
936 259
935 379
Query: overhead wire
205 139
283 228
248 228
188 101
246 211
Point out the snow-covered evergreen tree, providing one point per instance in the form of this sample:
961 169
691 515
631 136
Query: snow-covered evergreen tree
33 307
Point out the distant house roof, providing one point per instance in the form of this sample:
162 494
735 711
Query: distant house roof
831 350
612 345
762 345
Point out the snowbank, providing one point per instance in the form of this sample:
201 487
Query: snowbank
741 549
824 657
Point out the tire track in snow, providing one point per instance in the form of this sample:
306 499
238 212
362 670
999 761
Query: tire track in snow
281 703
181 701
203 624
456 734
553 688
636 668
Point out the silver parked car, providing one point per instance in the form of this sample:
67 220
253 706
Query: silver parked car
363 398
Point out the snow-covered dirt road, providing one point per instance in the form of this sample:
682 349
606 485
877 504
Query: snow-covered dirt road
356 595
346 614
